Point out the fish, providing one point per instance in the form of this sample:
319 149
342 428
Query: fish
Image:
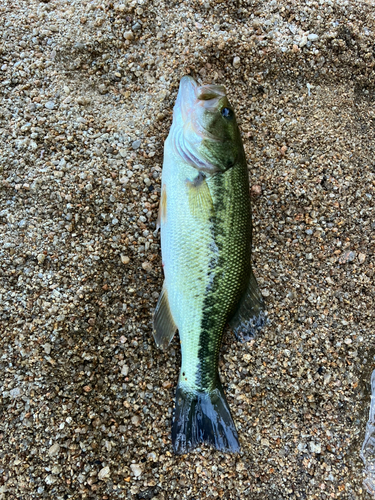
206 234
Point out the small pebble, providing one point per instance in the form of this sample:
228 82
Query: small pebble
236 62
327 378
315 447
104 473
47 348
16 392
51 479
83 101
136 144
361 258
128 35
136 420
54 450
136 469
347 256
41 258
147 266
255 191
125 259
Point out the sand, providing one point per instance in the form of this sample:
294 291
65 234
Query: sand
86 399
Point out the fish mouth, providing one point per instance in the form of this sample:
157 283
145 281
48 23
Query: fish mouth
190 95
209 95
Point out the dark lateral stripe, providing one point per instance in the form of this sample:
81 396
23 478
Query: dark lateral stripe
231 231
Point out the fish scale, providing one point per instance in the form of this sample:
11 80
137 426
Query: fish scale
231 228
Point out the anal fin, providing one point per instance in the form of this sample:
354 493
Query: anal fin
250 315
164 325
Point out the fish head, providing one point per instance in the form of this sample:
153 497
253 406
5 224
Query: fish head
205 130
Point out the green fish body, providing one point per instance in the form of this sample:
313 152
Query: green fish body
205 222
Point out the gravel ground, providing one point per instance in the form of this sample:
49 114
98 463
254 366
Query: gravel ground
87 90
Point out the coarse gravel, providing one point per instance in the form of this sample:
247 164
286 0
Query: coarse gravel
87 90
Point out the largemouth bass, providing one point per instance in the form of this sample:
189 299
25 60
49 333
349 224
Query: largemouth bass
205 222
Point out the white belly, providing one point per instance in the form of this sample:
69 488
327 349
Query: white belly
186 243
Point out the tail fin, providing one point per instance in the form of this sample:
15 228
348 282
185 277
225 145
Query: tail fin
203 417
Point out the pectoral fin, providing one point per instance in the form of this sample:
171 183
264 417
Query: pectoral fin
200 201
250 315
164 325
162 215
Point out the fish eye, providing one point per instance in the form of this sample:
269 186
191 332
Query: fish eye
227 113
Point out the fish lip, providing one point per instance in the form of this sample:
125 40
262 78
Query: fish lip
186 99
190 94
